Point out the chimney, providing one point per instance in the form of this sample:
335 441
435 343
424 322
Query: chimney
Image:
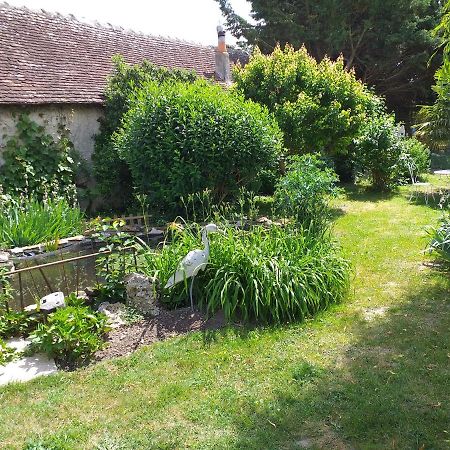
223 70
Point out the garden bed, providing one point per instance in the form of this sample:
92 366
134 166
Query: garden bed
128 338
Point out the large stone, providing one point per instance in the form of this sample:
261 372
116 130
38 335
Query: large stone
142 293
115 312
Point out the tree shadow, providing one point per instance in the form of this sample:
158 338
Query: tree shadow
358 193
389 390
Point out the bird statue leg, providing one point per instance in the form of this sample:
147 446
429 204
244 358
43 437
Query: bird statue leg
190 293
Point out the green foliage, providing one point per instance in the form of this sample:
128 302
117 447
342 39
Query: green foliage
27 220
113 267
16 323
305 190
71 335
440 239
435 119
378 150
12 323
320 106
35 163
434 126
7 353
388 43
111 172
181 138
415 159
270 274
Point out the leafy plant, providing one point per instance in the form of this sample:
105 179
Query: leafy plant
27 220
35 163
111 172
378 151
440 239
181 138
7 353
305 190
113 267
270 274
71 335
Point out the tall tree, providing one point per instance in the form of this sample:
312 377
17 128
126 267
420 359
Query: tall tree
387 42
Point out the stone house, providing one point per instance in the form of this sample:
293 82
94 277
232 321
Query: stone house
55 68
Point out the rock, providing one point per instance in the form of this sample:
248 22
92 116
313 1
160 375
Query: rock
4 257
114 312
52 301
142 294
265 221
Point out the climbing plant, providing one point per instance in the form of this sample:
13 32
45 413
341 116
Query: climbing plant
37 163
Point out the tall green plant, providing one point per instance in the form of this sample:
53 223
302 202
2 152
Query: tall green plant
111 172
270 274
304 192
28 221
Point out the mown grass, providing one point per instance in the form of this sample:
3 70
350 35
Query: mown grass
371 373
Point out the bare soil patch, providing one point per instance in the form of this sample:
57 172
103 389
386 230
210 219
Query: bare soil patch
128 338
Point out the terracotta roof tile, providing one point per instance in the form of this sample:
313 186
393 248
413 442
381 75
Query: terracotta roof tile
50 58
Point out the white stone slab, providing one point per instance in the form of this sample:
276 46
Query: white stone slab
27 368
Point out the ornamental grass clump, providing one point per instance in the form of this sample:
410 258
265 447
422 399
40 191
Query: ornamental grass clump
28 221
271 275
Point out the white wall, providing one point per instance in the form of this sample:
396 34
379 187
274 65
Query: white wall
81 120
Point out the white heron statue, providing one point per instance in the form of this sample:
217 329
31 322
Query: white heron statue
193 262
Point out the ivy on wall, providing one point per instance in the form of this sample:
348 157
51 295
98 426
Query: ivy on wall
36 163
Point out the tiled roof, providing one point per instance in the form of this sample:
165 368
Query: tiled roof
50 58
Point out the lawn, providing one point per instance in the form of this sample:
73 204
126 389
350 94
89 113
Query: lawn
371 373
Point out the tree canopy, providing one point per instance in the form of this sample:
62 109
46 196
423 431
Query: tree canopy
387 42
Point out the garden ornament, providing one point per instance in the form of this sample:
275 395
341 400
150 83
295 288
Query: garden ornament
193 262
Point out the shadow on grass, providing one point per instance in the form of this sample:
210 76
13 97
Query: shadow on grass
360 193
435 201
390 390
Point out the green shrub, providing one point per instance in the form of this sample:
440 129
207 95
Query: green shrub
379 149
71 335
7 353
111 172
16 323
37 164
440 239
415 156
305 190
182 138
320 106
272 274
28 221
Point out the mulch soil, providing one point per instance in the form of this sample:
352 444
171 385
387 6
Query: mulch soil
128 338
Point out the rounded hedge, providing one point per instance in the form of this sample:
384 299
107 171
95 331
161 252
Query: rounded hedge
180 138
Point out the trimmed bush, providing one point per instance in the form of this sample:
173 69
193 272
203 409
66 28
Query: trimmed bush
270 274
320 106
305 190
111 172
182 138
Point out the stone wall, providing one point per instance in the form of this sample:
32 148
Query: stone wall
81 120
